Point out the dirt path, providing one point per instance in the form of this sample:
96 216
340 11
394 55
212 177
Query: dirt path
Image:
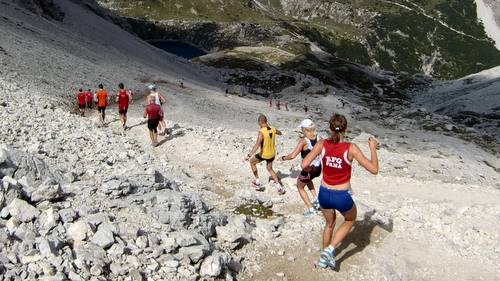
209 135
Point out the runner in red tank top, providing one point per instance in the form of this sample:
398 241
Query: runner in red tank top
90 98
334 193
336 163
154 114
123 99
81 99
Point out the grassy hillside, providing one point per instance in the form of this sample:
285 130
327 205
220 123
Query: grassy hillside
438 37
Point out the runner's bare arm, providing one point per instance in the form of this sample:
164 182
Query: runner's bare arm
295 152
306 162
130 95
256 146
370 165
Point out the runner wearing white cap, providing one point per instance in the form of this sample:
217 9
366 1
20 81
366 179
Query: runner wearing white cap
305 145
159 99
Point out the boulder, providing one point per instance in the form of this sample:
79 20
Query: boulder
48 220
237 231
194 253
68 215
49 190
78 231
46 248
103 238
213 265
9 189
22 211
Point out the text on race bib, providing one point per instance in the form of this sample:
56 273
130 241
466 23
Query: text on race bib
334 162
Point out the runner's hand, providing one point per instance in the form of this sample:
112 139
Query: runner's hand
247 158
372 143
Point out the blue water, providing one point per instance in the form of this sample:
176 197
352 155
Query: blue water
179 48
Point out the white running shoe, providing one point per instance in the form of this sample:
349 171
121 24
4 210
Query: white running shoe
310 212
327 258
257 185
281 188
315 203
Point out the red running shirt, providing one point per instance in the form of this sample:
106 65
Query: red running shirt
123 99
336 165
153 111
81 97
90 96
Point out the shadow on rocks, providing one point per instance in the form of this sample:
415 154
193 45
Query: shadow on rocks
360 236
138 124
171 137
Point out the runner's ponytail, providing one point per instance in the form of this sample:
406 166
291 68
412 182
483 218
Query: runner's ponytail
338 126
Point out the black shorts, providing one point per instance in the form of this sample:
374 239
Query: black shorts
153 124
258 157
89 104
101 109
308 174
123 110
81 106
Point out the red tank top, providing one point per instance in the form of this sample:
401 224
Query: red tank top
336 165
123 99
81 98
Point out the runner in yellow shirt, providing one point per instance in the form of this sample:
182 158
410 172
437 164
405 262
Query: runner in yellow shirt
266 141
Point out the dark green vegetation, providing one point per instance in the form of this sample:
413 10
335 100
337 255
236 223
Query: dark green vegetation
439 37
254 210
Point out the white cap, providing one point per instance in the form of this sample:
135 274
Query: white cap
306 123
152 86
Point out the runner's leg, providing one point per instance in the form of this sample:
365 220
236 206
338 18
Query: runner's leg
253 165
310 185
345 227
273 174
151 135
303 193
330 217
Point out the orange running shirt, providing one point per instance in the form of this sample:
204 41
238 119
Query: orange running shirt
102 98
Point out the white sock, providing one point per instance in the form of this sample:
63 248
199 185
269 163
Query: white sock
257 181
330 249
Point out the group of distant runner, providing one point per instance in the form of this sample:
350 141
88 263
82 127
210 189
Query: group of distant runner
153 111
278 105
332 157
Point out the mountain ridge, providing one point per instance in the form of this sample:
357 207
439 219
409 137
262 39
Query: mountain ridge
403 36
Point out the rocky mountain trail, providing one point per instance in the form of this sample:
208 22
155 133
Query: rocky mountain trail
80 202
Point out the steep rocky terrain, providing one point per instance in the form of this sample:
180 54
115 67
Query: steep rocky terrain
411 36
79 202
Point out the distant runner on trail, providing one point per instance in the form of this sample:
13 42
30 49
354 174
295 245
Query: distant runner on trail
286 106
278 104
335 191
266 141
307 174
154 114
158 99
123 99
90 98
102 102
81 99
